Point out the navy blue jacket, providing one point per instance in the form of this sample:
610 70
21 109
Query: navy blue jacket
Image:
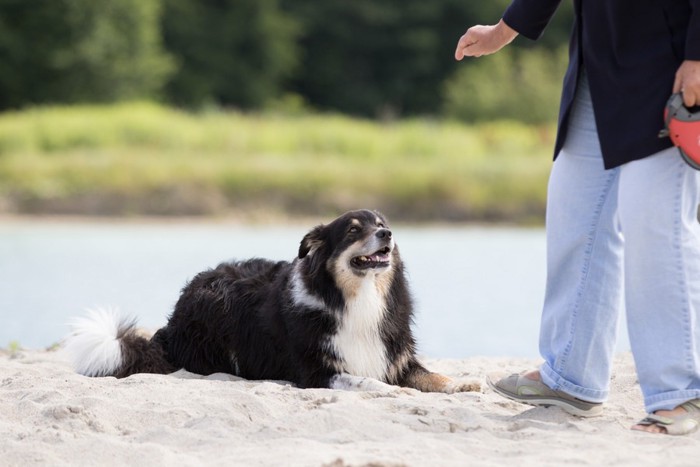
631 50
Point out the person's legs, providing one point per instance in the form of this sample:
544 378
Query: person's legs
658 200
583 295
584 264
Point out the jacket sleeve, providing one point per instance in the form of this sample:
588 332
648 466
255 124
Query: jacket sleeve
530 17
692 41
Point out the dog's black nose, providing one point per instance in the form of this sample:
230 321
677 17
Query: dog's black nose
383 233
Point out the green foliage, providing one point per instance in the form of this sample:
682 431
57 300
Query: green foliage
374 58
229 52
367 57
117 53
79 51
522 86
141 158
14 349
387 58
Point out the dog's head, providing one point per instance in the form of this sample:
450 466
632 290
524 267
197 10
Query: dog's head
358 242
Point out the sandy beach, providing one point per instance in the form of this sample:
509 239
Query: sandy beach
51 416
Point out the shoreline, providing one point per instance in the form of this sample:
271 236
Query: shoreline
52 416
239 218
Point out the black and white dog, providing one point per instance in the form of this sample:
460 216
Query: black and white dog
338 316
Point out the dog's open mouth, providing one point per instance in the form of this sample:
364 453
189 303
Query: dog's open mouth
378 259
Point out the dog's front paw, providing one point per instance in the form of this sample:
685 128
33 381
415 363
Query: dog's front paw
434 382
348 382
462 386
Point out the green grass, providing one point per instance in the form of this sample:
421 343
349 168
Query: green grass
13 349
144 159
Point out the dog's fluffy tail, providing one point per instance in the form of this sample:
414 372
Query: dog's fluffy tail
105 343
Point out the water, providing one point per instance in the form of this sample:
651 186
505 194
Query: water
477 291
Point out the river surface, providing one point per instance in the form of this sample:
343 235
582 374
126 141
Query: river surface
477 290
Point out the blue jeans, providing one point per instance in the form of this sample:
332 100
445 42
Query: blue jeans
625 238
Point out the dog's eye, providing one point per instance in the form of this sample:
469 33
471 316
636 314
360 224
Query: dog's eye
354 229
381 225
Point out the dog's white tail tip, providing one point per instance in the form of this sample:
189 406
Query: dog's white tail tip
94 344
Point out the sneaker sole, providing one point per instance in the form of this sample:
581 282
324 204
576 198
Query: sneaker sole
552 401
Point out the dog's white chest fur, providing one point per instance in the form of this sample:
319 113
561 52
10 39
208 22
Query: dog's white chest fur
358 343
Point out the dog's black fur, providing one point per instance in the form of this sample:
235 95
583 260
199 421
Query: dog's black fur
296 321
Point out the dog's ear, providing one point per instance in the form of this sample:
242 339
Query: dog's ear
311 241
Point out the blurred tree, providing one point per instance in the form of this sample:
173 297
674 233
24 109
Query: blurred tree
366 57
522 86
521 82
389 57
229 52
80 51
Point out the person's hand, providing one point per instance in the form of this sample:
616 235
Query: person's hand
484 40
688 82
